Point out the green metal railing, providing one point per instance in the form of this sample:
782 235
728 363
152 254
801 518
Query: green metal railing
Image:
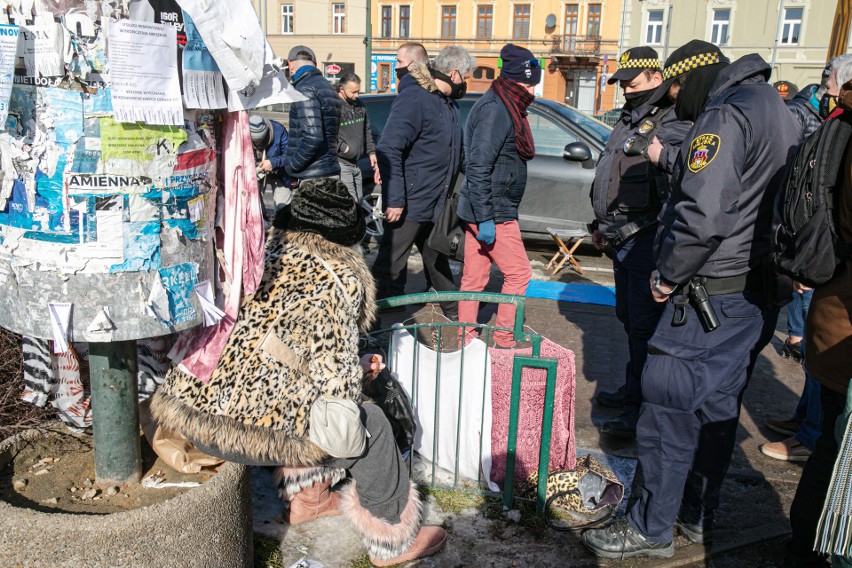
385 338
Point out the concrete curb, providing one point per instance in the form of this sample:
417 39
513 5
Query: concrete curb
208 526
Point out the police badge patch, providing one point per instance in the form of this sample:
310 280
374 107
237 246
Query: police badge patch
646 127
702 151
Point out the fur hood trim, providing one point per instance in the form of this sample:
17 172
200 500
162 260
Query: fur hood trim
258 443
292 480
351 256
421 74
382 539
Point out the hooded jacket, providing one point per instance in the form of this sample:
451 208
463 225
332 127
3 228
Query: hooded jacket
717 221
312 150
495 176
420 147
803 109
295 341
355 138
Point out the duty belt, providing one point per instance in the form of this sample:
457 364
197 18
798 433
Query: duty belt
629 230
728 285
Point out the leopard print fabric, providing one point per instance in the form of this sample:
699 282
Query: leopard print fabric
567 483
258 400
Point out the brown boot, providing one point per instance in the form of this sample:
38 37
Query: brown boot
312 503
429 540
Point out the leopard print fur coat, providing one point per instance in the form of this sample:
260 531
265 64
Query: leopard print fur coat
295 341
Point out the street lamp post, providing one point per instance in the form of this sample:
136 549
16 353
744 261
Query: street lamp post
368 43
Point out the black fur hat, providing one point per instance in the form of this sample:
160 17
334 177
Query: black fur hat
324 206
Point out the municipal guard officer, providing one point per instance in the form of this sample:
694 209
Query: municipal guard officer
627 194
711 252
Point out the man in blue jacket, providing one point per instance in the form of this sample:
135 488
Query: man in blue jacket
312 150
269 142
712 255
498 144
418 154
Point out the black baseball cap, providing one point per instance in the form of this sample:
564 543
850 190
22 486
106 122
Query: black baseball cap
684 59
634 61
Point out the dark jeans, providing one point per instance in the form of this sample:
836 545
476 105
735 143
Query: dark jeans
693 383
797 313
813 486
391 266
636 309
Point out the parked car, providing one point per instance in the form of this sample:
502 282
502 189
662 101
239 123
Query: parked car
567 146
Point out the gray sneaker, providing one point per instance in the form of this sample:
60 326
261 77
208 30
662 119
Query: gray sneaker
621 540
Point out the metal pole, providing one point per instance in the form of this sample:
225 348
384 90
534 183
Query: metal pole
115 412
777 39
620 47
368 42
668 33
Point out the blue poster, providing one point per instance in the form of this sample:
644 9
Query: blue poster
141 247
179 282
66 109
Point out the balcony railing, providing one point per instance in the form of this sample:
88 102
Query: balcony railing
576 45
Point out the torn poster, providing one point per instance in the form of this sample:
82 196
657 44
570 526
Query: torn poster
144 74
202 80
43 47
179 282
139 149
141 247
8 51
60 323
211 313
61 112
101 322
273 88
105 183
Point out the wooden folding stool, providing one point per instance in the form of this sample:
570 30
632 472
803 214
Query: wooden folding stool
564 239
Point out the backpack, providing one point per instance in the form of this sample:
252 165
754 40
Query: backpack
807 247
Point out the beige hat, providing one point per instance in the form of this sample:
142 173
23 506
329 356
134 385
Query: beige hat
336 427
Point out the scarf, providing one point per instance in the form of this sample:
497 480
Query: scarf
517 99
693 97
833 531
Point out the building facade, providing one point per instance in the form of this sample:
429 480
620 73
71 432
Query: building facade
333 30
576 41
793 39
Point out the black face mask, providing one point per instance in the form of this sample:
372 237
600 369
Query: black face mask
637 98
457 90
401 72
827 104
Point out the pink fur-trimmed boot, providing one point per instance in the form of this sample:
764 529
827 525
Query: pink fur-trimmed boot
389 544
308 491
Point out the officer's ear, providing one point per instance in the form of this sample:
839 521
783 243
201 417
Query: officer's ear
656 78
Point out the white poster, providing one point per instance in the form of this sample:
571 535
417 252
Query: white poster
44 46
144 73
8 49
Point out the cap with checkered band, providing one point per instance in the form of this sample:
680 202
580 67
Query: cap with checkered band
684 59
634 61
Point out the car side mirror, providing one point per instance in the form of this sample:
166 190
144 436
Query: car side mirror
577 152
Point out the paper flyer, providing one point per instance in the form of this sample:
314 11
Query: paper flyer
136 141
144 74
43 48
202 79
274 88
8 50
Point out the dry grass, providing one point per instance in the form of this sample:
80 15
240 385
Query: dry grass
15 414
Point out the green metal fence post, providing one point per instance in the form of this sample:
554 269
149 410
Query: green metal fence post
115 412
522 362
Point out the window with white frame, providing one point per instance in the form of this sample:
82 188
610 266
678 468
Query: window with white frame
719 28
339 18
654 28
791 26
286 18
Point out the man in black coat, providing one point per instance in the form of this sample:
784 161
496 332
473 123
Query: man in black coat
711 250
312 149
419 154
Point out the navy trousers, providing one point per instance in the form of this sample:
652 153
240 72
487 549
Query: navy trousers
693 384
636 309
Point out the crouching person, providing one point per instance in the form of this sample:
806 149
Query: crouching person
287 390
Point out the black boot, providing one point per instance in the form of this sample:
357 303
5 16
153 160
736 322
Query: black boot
621 540
612 399
622 427
695 533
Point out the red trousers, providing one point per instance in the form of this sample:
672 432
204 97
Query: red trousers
508 253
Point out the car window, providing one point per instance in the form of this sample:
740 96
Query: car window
550 137
377 112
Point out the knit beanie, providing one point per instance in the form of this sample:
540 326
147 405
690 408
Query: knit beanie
259 128
520 65
324 206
